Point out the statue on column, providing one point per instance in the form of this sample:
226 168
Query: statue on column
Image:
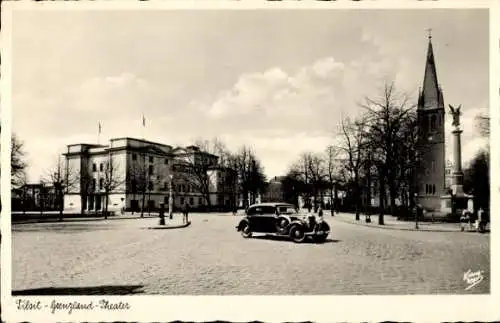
455 112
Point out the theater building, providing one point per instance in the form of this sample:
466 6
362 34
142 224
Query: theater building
141 174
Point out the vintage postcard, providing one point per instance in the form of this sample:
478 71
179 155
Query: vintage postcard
242 161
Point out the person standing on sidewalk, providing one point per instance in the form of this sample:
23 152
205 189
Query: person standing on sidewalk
464 219
481 226
185 217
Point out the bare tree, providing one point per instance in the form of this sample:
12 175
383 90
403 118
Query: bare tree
17 161
385 116
407 159
194 167
353 142
112 180
251 179
316 171
86 183
218 148
483 124
332 175
63 179
138 181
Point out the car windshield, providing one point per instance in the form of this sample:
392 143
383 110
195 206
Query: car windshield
284 209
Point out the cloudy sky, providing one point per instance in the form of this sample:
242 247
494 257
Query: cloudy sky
279 80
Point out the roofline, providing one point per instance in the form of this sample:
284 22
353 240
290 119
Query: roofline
141 140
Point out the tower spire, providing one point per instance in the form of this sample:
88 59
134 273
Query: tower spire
430 89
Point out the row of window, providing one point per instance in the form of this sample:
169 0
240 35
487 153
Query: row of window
183 188
433 122
151 159
101 184
430 189
135 203
94 167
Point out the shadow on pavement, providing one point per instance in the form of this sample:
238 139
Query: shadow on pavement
94 290
63 227
285 238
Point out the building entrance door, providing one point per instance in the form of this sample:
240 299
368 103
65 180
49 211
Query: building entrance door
97 202
91 202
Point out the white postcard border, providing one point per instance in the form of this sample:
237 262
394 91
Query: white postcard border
263 308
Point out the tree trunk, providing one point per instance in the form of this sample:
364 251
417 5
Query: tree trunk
41 203
83 202
381 198
369 192
61 202
357 195
106 197
333 200
133 197
143 202
392 193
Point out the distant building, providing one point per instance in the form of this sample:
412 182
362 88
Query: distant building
274 192
144 166
35 197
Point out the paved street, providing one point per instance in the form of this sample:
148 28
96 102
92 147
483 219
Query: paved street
210 257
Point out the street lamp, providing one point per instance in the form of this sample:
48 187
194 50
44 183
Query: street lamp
335 197
170 197
417 209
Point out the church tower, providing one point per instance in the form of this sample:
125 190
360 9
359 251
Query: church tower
431 148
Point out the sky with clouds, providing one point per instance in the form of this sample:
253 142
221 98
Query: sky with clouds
278 80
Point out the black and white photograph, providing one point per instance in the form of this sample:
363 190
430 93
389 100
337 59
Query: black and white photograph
238 151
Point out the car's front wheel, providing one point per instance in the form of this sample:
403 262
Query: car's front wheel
245 231
297 233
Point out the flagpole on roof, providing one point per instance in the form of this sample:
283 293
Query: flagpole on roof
99 133
143 126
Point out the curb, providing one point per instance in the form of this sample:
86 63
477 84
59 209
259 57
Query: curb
397 229
79 219
169 227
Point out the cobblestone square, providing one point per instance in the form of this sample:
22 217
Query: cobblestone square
210 257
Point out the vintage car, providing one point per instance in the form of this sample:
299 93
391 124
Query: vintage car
282 219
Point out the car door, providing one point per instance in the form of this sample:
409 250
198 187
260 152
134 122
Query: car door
268 219
254 215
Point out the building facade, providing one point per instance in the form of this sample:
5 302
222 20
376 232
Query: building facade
274 192
138 174
35 197
431 149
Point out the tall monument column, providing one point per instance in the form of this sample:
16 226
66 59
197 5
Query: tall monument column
458 175
457 200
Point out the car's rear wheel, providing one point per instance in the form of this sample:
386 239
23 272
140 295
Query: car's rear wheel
297 233
245 231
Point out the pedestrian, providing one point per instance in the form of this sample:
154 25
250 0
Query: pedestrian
464 219
481 220
185 218
472 220
235 210
320 211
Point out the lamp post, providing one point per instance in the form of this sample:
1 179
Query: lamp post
335 198
417 209
170 197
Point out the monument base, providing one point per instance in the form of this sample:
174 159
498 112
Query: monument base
460 200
